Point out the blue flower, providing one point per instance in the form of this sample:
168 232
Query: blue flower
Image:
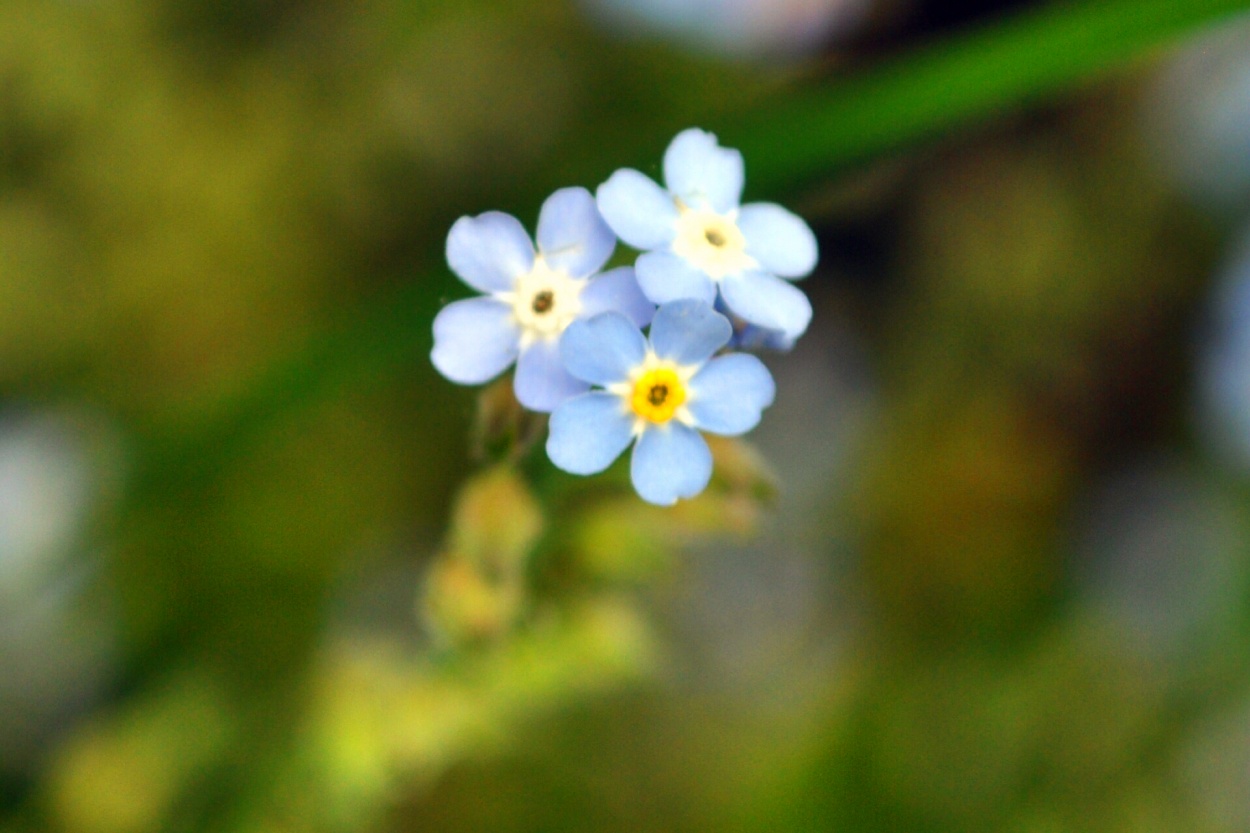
661 391
697 239
530 297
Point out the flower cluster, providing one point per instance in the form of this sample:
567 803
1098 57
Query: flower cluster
719 272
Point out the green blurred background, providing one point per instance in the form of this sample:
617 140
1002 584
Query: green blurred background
985 565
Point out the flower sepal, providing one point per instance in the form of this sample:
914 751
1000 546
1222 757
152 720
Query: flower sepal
461 607
504 429
475 590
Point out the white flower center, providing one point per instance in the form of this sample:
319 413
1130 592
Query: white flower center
712 242
545 301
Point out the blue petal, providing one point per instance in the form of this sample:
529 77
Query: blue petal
751 337
640 212
541 381
767 301
617 290
670 462
728 394
474 340
588 432
702 173
781 242
489 251
572 237
602 350
689 332
666 277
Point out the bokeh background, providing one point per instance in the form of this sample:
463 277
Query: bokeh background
985 565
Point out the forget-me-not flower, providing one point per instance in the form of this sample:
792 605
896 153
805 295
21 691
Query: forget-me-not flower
530 296
660 391
697 239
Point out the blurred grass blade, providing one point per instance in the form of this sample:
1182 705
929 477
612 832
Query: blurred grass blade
994 68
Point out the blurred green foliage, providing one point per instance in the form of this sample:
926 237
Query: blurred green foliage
221 229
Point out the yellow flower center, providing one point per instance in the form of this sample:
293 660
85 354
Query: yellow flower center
658 393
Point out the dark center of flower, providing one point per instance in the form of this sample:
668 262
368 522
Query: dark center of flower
714 237
658 394
543 302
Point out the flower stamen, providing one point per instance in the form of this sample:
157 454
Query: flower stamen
543 302
657 395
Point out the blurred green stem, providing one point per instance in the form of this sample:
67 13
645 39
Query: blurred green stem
998 67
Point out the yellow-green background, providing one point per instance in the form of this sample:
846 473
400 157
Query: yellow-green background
1002 585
